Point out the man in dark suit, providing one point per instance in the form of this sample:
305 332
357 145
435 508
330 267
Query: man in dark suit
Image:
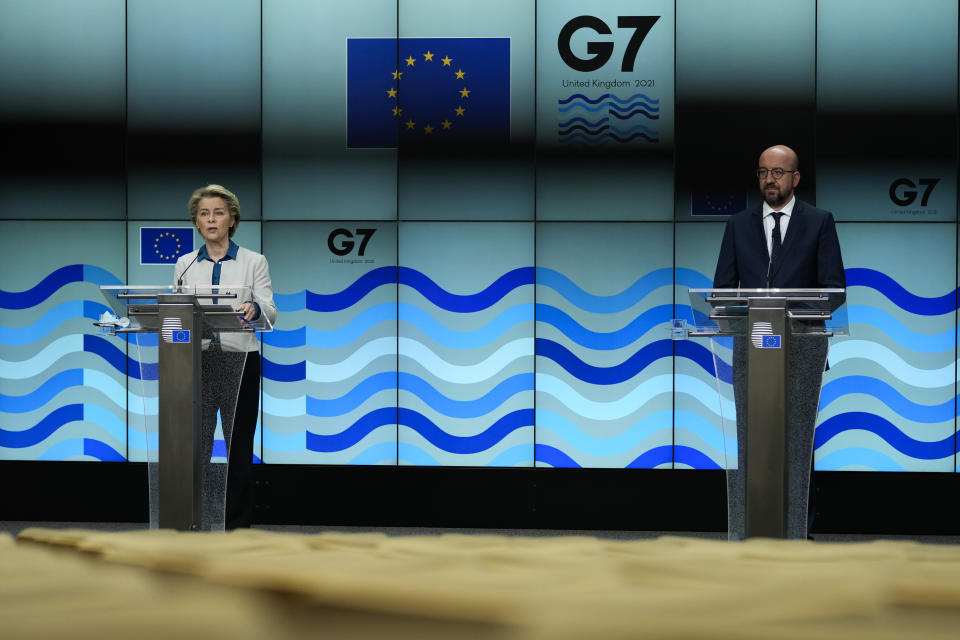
809 252
787 244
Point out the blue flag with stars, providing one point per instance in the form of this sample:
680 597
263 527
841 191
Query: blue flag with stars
427 91
163 245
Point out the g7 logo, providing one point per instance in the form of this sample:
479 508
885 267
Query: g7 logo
602 51
346 246
907 197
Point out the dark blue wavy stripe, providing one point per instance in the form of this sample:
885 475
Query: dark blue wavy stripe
627 116
889 396
554 457
693 457
118 360
101 451
580 127
425 427
284 372
900 441
466 444
652 458
42 394
603 375
43 290
352 434
862 277
632 365
43 429
472 302
604 97
352 294
638 134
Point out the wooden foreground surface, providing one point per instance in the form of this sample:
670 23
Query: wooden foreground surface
258 584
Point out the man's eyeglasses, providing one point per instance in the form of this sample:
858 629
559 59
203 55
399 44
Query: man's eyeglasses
777 172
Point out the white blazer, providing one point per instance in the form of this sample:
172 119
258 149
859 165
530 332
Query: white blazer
247 269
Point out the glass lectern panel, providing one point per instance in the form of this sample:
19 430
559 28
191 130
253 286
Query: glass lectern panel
188 370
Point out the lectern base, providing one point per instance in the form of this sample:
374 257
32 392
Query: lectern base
808 357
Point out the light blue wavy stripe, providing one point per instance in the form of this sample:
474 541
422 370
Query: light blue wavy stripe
116 427
890 325
17 336
284 407
857 457
346 403
636 329
520 455
475 408
140 441
284 442
711 434
348 333
479 337
604 304
290 301
706 395
63 450
42 360
388 452
615 445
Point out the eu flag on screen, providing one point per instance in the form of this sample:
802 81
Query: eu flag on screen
163 245
427 91
716 202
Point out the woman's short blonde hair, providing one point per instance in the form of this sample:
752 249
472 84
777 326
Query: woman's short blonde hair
215 191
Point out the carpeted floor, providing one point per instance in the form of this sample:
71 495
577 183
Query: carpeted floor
278 584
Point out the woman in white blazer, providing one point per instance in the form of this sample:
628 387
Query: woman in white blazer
215 212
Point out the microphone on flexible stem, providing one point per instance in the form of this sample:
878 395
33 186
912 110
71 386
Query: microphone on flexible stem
180 279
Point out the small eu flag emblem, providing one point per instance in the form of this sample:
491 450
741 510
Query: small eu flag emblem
771 342
163 245
181 335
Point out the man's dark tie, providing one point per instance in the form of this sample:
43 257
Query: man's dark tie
775 250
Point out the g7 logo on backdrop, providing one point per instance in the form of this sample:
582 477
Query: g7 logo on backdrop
602 51
345 246
903 192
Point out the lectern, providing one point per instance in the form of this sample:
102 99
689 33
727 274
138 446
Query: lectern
188 383
778 357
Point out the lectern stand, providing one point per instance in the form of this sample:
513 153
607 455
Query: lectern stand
779 352
195 380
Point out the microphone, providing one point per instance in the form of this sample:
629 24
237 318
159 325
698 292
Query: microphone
180 279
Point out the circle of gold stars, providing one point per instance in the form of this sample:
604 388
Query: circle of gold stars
156 245
458 112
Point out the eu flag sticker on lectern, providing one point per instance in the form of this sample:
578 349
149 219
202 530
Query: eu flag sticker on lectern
427 91
163 245
770 342
182 335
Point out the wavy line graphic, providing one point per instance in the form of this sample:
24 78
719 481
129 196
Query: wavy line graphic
82 447
902 335
73 343
627 116
636 329
610 96
592 125
470 302
630 403
612 136
862 277
894 364
53 282
580 127
857 457
353 330
43 429
835 389
604 105
425 427
858 420
604 446
634 364
604 304
16 336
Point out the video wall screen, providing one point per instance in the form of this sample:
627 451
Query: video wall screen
480 218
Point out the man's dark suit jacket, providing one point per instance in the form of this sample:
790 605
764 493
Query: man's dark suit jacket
809 256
